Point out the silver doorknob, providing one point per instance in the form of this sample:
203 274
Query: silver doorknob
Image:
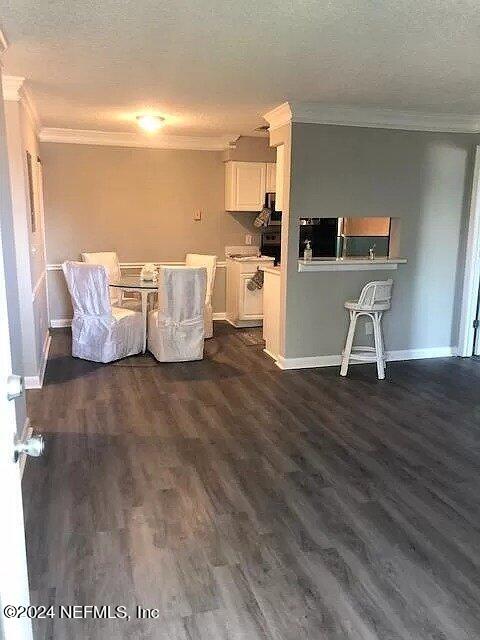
14 387
33 446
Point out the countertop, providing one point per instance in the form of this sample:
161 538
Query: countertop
271 269
350 264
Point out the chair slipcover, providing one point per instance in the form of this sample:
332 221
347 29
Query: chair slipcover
100 332
176 327
210 263
109 260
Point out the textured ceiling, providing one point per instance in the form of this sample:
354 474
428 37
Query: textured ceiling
214 66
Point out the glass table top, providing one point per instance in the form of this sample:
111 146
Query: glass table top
134 282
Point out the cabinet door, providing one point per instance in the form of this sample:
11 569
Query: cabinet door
250 304
271 171
245 186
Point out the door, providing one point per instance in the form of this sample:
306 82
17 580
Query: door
245 186
250 305
13 574
14 623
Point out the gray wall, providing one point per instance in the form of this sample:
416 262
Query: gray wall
423 179
8 244
139 202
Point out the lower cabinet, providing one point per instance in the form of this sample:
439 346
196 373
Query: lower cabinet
250 304
244 308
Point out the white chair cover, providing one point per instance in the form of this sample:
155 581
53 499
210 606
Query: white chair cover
109 259
210 263
100 332
176 327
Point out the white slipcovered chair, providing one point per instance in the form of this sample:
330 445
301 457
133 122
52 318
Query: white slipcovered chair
109 259
176 326
100 332
210 264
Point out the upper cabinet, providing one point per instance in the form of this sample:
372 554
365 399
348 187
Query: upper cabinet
271 177
245 185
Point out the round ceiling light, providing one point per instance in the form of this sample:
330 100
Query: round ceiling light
149 123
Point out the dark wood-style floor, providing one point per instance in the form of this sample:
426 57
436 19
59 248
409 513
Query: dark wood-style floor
249 503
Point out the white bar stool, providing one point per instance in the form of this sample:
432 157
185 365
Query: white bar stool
373 301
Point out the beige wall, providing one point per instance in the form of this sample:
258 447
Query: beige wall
251 149
138 202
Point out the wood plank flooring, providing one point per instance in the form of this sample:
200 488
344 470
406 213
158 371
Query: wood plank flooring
247 503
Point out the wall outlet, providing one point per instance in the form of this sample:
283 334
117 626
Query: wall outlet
368 328
197 215
248 238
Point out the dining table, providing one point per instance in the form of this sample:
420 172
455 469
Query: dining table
144 288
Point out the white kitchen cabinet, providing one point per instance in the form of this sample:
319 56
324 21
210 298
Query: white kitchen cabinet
244 307
271 177
245 186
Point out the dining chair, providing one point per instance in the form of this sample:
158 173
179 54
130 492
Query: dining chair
109 259
210 264
100 331
176 326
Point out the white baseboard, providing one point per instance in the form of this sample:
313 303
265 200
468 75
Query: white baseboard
26 433
60 323
36 382
335 360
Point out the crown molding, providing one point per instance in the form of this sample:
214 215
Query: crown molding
279 116
3 42
371 117
26 99
129 139
12 86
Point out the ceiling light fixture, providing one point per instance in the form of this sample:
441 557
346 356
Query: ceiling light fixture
149 123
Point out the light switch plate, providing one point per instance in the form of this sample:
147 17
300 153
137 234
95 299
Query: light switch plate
197 215
248 238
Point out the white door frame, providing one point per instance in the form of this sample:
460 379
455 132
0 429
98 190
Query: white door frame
471 279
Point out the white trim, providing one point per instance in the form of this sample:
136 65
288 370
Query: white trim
335 360
60 323
3 42
36 288
279 116
137 265
350 264
36 382
134 139
272 355
220 315
30 108
26 433
372 117
471 278
11 86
